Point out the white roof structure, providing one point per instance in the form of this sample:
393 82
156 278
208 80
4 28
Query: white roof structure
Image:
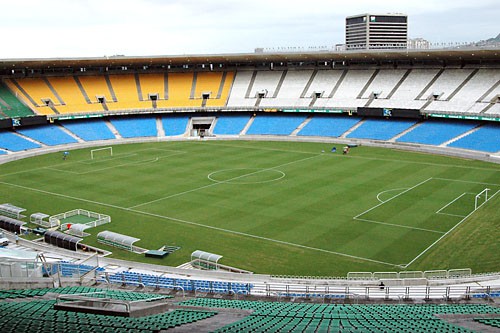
116 238
78 229
207 256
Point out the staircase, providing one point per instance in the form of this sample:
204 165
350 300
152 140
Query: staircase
352 129
460 136
301 126
113 129
404 132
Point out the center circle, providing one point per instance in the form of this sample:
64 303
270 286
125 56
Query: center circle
242 176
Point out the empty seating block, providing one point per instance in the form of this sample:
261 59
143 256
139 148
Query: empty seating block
381 129
73 98
135 127
10 106
49 135
174 125
34 92
333 126
487 138
230 124
90 130
436 132
307 317
275 124
13 142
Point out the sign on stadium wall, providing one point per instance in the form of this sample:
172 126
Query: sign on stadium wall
454 116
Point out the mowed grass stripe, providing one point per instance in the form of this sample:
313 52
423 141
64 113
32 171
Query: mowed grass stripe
311 207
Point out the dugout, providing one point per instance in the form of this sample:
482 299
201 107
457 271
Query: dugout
117 240
78 229
10 224
63 240
205 260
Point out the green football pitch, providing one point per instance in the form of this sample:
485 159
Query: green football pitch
276 207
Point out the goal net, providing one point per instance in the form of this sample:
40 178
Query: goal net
101 152
482 198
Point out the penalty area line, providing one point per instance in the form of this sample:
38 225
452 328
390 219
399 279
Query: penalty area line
446 234
202 225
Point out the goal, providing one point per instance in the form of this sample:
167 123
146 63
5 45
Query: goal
101 152
481 198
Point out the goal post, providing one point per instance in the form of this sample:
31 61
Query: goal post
106 151
481 198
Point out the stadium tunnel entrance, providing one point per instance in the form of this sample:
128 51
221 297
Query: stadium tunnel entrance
202 126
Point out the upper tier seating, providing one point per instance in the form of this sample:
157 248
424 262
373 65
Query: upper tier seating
49 135
230 124
10 106
380 129
13 142
90 130
436 132
459 90
135 126
33 92
70 93
174 125
271 124
486 138
325 125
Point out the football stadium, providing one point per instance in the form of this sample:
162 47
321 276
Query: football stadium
315 191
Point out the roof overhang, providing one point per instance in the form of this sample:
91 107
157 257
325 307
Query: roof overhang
452 54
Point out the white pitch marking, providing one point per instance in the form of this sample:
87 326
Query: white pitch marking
229 181
446 234
214 184
449 203
201 225
397 195
399 226
394 189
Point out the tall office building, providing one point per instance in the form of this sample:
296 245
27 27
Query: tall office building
371 31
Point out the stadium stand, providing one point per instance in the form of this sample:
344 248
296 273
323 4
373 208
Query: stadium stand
328 125
241 86
352 86
14 142
49 135
126 93
157 281
436 132
271 124
486 138
33 92
467 98
218 84
174 125
153 84
230 124
381 129
179 91
291 89
94 87
303 317
89 129
74 100
10 106
134 127
384 82
22 313
324 83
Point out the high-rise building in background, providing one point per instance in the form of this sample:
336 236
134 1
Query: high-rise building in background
418 44
373 31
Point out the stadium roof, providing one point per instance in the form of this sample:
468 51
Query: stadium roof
465 54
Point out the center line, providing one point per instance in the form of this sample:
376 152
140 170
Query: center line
214 184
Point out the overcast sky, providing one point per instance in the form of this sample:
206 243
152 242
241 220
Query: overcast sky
87 28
